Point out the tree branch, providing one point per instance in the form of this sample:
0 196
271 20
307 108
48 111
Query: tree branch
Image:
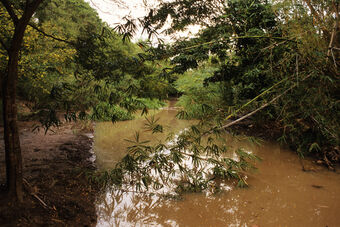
261 107
10 11
317 17
333 35
34 4
314 12
51 36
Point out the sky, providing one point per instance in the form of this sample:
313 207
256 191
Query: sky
112 12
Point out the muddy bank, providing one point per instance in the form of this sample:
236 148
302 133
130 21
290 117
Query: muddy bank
56 190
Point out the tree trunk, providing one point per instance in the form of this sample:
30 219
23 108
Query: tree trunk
11 132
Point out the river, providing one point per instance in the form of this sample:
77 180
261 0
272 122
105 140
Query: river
279 193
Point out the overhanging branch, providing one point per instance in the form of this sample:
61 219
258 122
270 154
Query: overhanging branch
51 36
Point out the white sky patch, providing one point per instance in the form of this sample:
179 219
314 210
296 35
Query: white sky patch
113 11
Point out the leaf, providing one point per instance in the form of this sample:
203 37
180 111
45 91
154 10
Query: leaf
182 114
36 127
146 181
314 147
157 129
195 130
145 111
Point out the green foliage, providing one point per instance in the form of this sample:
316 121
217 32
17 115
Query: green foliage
92 70
255 46
310 114
45 61
152 125
197 99
188 162
151 103
247 53
107 112
69 18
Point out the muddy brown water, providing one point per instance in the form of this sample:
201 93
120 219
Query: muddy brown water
280 193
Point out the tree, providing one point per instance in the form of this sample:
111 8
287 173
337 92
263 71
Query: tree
93 58
20 14
9 89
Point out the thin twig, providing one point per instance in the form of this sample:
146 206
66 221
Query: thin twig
297 69
239 37
333 135
316 16
40 200
57 220
336 67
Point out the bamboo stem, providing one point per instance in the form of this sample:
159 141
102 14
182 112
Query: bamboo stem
258 96
239 37
261 107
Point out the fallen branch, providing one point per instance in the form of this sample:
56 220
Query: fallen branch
57 220
29 189
40 200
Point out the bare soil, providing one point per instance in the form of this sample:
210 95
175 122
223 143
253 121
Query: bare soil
57 192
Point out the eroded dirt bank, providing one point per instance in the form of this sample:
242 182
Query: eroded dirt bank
56 190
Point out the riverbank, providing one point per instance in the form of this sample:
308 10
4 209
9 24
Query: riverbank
272 131
57 192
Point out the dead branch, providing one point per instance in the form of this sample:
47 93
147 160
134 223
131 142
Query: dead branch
29 189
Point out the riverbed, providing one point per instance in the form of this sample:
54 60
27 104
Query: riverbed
279 192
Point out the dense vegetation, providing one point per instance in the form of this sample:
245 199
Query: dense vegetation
92 69
275 63
253 51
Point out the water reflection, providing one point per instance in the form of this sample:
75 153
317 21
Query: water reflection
280 194
136 209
